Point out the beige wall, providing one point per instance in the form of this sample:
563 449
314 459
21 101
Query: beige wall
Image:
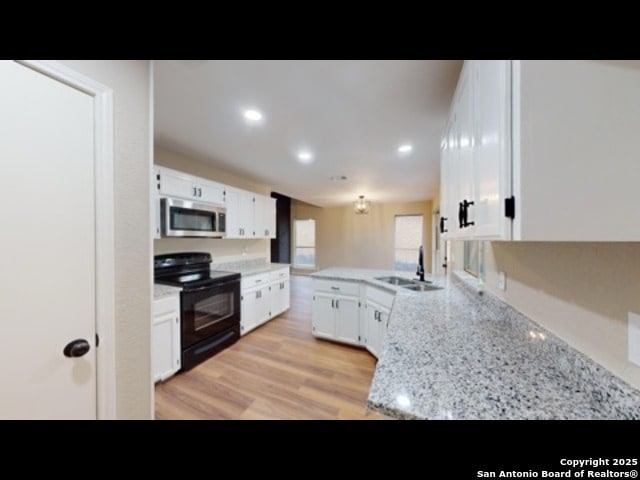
580 291
221 249
130 83
345 239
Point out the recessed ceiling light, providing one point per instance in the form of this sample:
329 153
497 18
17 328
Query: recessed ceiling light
305 156
253 115
406 148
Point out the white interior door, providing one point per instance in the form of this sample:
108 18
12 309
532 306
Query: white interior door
47 217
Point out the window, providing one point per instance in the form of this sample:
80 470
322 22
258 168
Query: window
473 256
408 238
305 243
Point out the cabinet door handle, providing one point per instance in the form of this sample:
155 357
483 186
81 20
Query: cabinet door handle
461 214
333 303
199 192
442 229
337 303
466 213
335 288
195 192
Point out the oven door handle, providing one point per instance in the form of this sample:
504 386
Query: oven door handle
212 286
199 289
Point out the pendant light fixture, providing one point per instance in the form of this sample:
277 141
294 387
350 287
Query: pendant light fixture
361 205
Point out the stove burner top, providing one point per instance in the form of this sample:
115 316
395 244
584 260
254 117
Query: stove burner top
196 280
189 270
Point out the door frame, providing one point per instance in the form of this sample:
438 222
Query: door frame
104 226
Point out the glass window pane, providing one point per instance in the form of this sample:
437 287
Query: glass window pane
471 257
408 238
305 243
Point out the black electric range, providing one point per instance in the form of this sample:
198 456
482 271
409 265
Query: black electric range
209 303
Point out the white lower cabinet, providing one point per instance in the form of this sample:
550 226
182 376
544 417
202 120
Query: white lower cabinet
377 309
323 316
279 295
264 297
348 319
377 321
254 308
336 317
165 341
345 313
336 311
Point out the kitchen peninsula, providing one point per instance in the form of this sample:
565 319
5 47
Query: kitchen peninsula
452 353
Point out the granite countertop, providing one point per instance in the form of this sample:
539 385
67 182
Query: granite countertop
252 269
160 291
454 354
368 276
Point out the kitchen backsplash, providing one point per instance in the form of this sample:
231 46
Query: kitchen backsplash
239 264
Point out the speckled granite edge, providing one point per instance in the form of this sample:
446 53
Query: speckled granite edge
571 361
455 354
350 275
161 291
249 267
238 265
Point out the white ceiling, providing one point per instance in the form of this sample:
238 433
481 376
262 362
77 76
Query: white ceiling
352 115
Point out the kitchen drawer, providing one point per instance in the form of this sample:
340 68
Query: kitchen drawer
336 287
380 296
166 304
279 274
255 280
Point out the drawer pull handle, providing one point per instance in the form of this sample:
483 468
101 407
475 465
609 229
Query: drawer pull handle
335 288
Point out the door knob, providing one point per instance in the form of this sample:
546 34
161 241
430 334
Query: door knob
76 348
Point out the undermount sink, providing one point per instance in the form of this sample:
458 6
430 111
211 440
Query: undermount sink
395 280
415 285
421 287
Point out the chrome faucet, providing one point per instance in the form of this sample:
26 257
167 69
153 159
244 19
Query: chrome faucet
420 271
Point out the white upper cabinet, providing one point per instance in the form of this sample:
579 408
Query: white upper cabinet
240 213
491 148
155 204
249 215
448 183
210 192
183 185
265 216
542 151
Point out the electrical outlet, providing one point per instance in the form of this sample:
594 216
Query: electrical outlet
633 337
502 281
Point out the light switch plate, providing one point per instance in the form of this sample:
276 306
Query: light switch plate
502 280
634 338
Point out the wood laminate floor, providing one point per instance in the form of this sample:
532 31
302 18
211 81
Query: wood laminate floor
277 371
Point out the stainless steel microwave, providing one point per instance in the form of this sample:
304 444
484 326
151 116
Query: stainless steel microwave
183 218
